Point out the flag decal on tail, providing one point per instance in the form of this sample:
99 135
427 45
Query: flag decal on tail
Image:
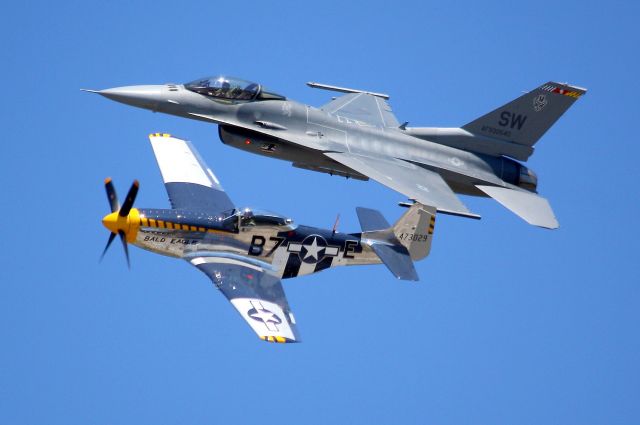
566 92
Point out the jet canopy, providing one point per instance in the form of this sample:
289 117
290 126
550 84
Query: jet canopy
230 88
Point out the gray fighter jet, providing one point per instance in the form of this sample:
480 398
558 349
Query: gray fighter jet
357 135
245 252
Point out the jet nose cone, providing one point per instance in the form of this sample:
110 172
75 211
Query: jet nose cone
110 221
146 97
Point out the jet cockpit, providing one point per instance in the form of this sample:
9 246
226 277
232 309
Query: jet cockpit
231 89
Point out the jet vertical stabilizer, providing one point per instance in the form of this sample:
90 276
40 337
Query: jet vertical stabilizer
524 120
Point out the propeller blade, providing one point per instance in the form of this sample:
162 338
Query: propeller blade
111 194
131 197
112 236
123 238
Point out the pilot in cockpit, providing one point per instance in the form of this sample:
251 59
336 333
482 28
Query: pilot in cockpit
231 89
247 218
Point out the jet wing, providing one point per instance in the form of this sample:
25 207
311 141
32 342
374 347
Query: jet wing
255 293
420 184
364 108
189 182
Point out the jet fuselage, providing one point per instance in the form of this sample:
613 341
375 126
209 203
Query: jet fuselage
299 134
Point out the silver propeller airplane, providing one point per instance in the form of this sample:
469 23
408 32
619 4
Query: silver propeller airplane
357 135
246 252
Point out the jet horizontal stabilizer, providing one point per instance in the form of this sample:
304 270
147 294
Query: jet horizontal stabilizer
530 207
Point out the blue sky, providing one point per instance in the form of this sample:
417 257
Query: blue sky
509 324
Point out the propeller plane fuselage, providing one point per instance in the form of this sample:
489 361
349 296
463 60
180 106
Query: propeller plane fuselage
269 242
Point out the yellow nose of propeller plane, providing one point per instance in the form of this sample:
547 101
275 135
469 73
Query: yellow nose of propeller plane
115 223
110 221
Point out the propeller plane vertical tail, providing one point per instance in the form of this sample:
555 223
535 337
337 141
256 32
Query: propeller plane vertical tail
409 239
